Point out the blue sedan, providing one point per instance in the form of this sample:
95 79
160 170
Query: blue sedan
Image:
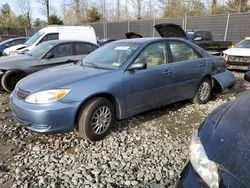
11 42
219 152
119 80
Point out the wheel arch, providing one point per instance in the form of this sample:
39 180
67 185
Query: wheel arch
109 96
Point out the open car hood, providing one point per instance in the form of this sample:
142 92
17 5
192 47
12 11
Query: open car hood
170 30
131 35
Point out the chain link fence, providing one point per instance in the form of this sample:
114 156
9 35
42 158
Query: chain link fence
232 27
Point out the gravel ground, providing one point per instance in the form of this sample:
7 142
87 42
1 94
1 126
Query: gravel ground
147 150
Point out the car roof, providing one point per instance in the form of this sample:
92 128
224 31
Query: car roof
148 40
64 41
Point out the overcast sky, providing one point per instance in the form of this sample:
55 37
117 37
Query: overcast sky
36 7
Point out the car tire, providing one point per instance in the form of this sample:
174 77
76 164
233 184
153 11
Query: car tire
10 79
203 91
95 119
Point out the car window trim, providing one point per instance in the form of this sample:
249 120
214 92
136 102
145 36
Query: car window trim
74 47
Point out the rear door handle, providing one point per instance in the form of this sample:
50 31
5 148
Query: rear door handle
167 72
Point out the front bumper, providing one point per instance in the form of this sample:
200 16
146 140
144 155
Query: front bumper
47 118
189 178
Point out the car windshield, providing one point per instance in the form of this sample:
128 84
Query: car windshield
34 38
243 44
110 56
41 49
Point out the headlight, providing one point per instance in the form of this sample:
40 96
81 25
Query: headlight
206 169
48 96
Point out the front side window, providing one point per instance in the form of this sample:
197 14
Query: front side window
48 37
182 52
63 50
154 55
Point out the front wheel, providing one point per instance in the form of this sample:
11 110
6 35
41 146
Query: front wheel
10 79
203 92
95 119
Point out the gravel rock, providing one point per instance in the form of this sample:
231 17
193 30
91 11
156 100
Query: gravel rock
147 150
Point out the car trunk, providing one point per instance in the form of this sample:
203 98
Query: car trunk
170 30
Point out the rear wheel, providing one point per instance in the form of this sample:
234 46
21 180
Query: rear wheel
10 79
203 92
95 119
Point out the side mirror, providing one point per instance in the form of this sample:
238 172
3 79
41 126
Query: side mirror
49 55
247 76
197 38
138 66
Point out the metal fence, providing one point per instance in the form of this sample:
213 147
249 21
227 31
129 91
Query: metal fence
231 27
10 32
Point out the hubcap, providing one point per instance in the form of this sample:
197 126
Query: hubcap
101 120
204 91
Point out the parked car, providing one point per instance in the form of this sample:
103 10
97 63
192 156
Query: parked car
116 81
206 40
219 153
84 33
11 42
104 41
49 54
238 57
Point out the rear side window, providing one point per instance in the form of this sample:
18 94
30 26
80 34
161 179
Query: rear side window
182 52
83 48
63 50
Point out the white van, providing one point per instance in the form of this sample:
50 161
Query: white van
84 33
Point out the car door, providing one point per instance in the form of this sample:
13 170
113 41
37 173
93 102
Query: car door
60 54
188 68
148 88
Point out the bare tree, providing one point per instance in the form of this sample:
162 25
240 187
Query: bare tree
213 6
137 5
46 6
242 5
25 6
118 9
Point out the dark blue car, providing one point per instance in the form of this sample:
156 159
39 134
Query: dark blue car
219 152
11 42
118 80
